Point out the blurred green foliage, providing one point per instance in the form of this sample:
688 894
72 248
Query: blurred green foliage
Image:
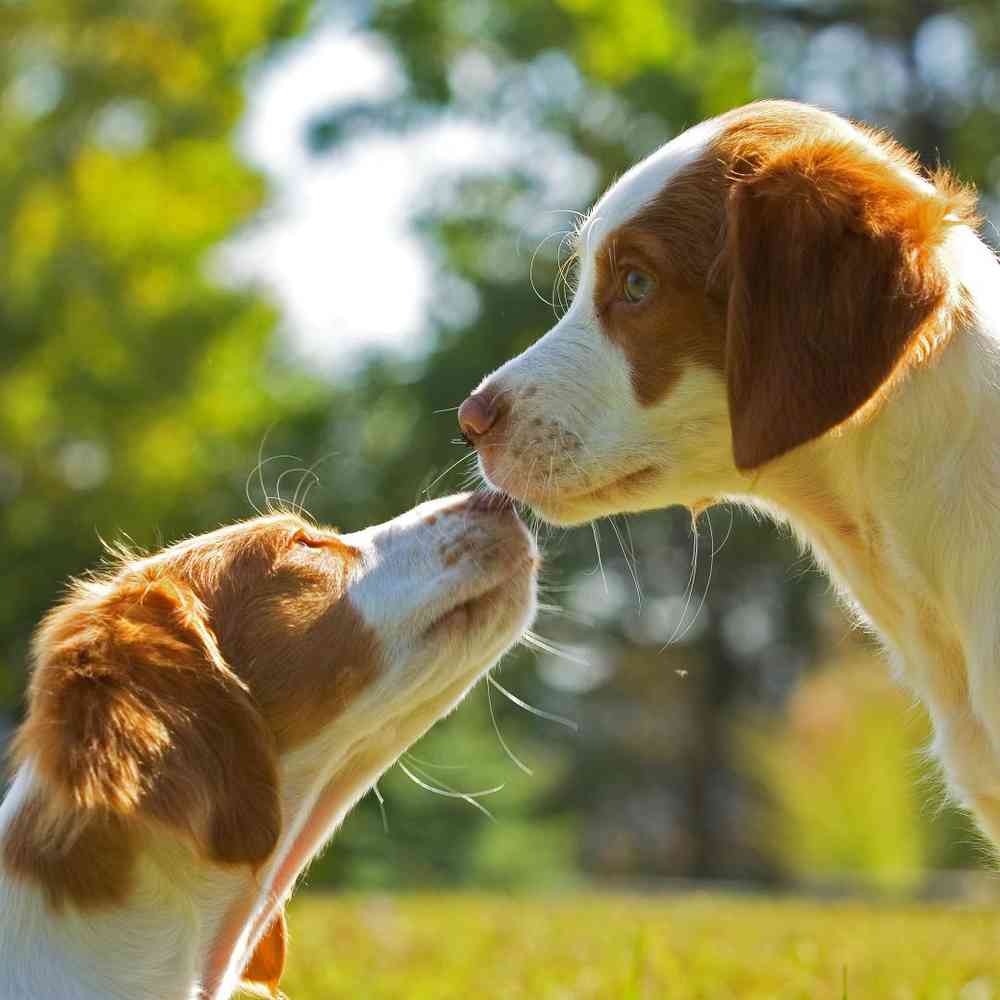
136 391
848 782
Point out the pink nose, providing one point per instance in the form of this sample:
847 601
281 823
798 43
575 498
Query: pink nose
477 414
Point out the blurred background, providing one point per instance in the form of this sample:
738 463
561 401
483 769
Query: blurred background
301 232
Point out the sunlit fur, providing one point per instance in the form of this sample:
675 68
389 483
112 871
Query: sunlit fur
823 343
201 720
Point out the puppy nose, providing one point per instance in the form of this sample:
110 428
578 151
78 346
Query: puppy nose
477 414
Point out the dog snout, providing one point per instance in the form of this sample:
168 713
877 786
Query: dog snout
484 514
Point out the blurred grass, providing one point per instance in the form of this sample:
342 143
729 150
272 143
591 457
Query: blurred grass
435 947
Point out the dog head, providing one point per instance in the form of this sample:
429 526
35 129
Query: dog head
753 285
233 695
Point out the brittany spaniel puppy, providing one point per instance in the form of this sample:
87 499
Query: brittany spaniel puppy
202 719
780 308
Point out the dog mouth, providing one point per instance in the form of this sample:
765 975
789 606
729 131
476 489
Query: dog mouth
608 493
638 479
481 609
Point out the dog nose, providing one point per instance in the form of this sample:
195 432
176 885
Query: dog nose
477 414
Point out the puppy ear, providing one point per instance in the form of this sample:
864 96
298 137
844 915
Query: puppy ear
134 714
267 964
834 286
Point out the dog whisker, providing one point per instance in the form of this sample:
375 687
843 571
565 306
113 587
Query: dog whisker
381 807
464 458
531 266
708 580
559 611
496 728
420 762
315 480
729 531
447 791
600 561
537 641
541 713
292 504
633 572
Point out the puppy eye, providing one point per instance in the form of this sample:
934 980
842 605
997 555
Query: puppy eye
638 286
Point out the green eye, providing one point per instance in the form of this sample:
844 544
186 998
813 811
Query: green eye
638 285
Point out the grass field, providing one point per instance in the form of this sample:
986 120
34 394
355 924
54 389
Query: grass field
428 947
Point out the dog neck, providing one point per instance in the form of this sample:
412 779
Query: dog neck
901 509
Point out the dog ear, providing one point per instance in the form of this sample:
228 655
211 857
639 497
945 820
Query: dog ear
135 715
267 963
834 284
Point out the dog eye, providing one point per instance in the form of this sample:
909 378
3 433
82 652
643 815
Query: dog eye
638 285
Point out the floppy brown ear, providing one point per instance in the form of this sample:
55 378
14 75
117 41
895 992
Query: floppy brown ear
134 714
267 964
834 285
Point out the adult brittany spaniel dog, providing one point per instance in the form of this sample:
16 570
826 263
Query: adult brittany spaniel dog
780 308
202 719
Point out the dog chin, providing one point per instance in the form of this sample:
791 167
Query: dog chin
629 493
569 513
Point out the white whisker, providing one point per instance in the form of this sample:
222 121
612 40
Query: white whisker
434 766
258 471
559 611
381 807
600 561
314 481
531 268
729 531
465 458
496 728
447 791
277 486
548 646
633 572
688 590
541 713
708 580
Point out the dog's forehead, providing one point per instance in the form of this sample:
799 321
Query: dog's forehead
645 181
746 130
266 528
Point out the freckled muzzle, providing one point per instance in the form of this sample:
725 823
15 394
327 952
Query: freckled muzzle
523 450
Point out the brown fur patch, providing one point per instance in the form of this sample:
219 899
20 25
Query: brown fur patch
303 683
134 716
834 289
301 647
670 329
91 865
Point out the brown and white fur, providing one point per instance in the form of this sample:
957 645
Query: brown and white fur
780 308
200 721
